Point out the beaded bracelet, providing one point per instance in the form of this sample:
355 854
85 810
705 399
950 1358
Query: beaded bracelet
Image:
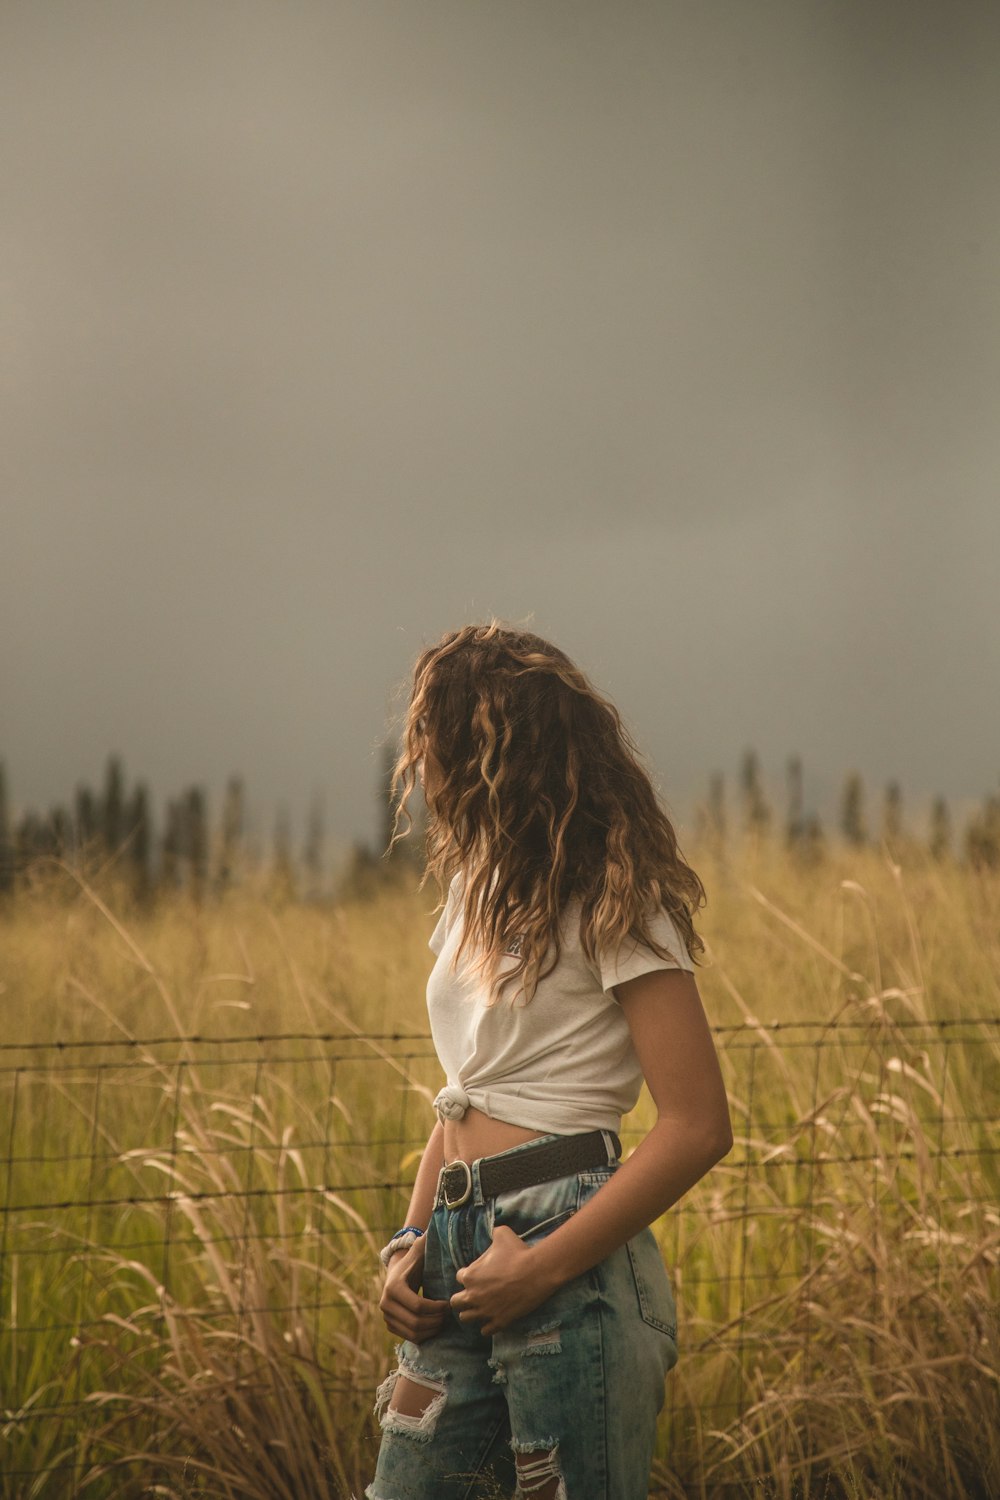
401 1240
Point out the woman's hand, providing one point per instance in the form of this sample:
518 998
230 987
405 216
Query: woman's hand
407 1314
501 1284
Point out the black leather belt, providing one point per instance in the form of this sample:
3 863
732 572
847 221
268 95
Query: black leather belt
542 1163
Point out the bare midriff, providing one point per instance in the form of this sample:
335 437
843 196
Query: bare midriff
476 1134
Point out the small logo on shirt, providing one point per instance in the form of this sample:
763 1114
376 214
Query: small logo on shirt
514 946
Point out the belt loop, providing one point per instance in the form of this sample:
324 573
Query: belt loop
610 1142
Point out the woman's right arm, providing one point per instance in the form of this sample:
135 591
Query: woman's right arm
422 1199
407 1314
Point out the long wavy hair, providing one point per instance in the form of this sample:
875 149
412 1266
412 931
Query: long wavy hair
537 796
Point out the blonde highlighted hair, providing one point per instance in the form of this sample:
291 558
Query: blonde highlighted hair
537 797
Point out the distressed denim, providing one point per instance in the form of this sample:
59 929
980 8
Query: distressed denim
577 1384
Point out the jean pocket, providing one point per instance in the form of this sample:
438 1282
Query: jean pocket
652 1284
534 1212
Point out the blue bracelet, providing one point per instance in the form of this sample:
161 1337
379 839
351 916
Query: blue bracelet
407 1229
401 1240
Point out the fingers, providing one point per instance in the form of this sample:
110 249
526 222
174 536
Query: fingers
419 1309
463 1309
417 1322
400 1291
416 1330
405 1312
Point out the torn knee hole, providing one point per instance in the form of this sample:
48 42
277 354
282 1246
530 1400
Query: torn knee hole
412 1397
410 1401
539 1475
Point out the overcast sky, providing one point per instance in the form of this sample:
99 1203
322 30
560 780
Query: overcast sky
670 329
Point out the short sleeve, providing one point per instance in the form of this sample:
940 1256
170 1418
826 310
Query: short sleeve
633 959
436 941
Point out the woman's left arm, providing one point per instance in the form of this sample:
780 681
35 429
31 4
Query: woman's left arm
675 1049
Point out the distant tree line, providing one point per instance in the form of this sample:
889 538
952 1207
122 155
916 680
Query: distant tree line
978 845
112 829
111 832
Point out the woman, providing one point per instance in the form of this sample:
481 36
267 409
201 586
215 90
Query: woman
535 1315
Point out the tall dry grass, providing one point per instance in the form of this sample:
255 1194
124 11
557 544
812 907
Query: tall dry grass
836 1275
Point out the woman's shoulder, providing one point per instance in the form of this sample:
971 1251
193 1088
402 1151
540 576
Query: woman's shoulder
630 956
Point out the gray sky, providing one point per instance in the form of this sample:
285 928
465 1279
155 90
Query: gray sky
672 328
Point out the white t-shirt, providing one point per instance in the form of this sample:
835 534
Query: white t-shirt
562 1063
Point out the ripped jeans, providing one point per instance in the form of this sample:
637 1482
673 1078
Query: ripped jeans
563 1402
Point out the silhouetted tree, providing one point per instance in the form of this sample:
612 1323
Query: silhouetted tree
363 873
940 839
982 836
852 818
6 841
892 816
87 821
45 837
61 825
233 822
139 832
113 805
170 849
283 872
313 852
757 814
793 826
196 840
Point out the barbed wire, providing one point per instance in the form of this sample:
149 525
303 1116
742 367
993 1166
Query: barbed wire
95 1226
903 1023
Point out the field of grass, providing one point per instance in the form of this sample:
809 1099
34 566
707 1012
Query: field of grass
209 1115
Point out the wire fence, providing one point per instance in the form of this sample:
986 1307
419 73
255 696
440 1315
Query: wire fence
247 1182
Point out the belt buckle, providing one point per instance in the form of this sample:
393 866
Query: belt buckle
466 1192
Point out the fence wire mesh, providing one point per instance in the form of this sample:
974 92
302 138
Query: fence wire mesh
246 1182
